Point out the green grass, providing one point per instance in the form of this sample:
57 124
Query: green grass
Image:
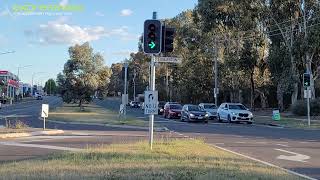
175 159
92 114
288 122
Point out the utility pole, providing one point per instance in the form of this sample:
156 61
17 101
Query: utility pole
125 88
134 84
167 83
216 90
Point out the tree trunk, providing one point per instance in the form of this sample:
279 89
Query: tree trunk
294 96
240 96
252 90
80 105
280 97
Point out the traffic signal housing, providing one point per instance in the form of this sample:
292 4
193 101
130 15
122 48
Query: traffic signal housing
167 39
152 36
306 80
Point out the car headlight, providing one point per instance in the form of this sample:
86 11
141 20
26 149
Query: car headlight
191 115
250 114
207 115
233 113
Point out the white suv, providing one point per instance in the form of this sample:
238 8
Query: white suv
234 112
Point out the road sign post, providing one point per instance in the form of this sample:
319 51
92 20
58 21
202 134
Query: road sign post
307 92
44 114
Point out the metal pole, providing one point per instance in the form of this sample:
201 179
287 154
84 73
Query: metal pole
308 105
167 83
44 123
152 87
134 84
215 73
125 88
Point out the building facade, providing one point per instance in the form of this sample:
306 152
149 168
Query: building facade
9 85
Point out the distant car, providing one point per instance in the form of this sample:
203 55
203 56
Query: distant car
193 113
134 104
39 97
234 112
172 110
210 108
161 107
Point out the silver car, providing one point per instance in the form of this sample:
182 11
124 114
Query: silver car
234 112
210 108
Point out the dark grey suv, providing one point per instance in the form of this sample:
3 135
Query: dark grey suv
193 113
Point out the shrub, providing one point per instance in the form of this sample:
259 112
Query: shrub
300 107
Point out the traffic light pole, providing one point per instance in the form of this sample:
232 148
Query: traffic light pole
153 88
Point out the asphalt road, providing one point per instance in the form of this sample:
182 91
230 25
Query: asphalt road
293 149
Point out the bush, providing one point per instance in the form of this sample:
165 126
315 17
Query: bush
300 108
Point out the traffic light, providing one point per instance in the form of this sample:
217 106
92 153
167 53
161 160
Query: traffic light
167 39
152 36
306 80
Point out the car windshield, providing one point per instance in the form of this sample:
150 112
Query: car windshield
175 106
239 107
210 106
193 108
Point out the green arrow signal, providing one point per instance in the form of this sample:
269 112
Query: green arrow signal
152 45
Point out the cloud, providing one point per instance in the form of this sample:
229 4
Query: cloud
4 13
126 12
60 32
123 53
100 14
64 2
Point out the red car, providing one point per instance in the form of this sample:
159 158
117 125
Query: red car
172 110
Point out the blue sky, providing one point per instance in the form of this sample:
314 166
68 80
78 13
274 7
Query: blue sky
42 41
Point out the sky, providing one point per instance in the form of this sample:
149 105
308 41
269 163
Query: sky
40 38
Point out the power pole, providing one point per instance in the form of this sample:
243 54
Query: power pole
134 84
216 90
125 88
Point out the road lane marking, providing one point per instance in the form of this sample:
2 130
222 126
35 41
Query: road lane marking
296 156
284 145
241 142
41 146
265 163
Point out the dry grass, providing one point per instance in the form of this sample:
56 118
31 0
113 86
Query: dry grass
177 159
92 114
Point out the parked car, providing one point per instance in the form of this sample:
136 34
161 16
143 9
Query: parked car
210 108
234 112
161 107
193 113
134 104
172 110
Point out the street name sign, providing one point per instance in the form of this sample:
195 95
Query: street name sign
45 110
151 102
169 59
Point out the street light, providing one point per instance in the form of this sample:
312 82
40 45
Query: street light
32 80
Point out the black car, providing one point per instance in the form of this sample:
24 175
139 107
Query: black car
193 113
161 107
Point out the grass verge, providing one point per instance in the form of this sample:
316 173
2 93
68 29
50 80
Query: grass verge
288 122
92 114
174 159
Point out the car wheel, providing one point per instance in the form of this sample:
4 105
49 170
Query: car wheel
219 119
229 118
181 119
189 120
169 117
164 115
249 122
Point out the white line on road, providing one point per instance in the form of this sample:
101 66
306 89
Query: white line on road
41 146
296 156
284 145
264 162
